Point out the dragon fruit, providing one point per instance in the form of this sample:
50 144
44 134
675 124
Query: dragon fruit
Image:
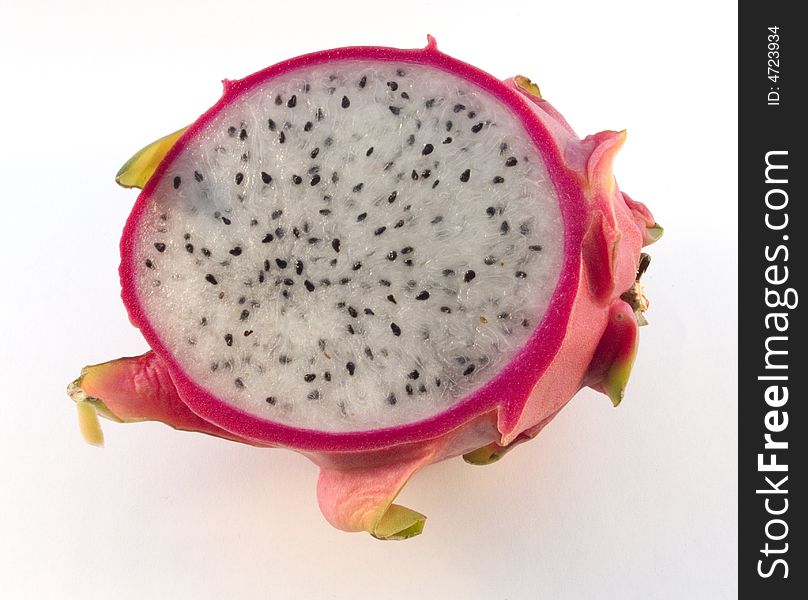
379 258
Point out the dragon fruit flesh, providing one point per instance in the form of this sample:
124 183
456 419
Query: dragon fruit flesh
380 258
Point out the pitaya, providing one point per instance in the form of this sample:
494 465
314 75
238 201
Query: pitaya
380 258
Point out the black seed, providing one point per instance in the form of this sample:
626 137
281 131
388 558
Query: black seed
448 272
504 227
414 374
292 101
422 296
313 395
309 377
380 230
239 383
407 250
314 153
211 279
395 329
436 220
297 179
414 175
422 389
327 376
231 131
369 312
392 255
521 274
384 282
392 85
356 266
361 217
476 128
448 140
400 72
345 102
279 233
502 315
396 110
535 248
490 211
411 139
363 81
149 264
245 314
278 100
469 275
464 176
271 400
226 221
345 280
392 298
320 114
524 229
408 389
350 367
177 182
458 107
253 222
434 185
206 252
369 352
358 187
267 238
335 244
276 214
308 126
328 141
498 179
350 329
266 177
242 135
405 95
489 260
228 339
324 211
282 137
511 162
449 126
160 246
235 251
445 309
288 281
387 165
334 177
284 360
408 262
428 148
272 125
299 267
470 369
242 300
198 176
426 173
392 197
369 152
203 321
309 285
281 263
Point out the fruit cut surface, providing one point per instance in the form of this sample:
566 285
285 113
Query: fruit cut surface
350 246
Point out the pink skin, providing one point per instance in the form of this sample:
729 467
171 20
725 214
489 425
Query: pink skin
363 471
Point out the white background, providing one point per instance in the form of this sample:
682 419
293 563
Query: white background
636 502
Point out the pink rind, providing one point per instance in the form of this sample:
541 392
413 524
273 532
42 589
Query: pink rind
509 390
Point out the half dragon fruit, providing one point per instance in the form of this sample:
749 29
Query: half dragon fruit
380 258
